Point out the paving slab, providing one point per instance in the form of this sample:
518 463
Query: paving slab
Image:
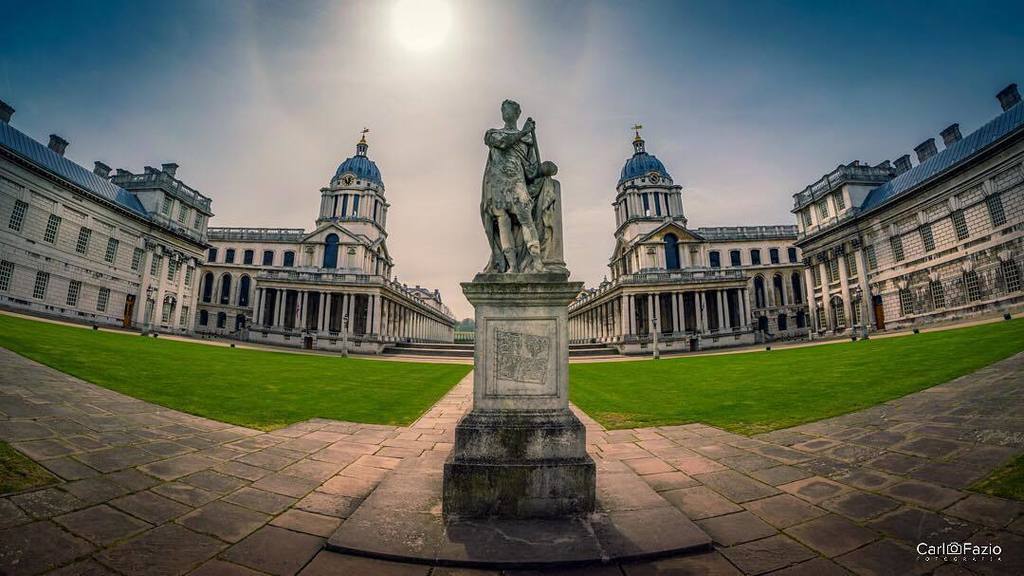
37 547
275 551
102 524
149 553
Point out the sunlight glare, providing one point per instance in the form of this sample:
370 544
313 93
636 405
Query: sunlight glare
422 25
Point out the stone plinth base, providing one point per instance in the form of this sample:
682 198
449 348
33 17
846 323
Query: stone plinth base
519 465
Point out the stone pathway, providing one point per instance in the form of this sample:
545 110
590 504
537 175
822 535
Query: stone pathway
147 490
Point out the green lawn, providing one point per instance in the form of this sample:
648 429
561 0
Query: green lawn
254 388
762 391
18 473
1007 482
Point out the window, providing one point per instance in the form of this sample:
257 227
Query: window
833 270
137 259
154 268
39 290
222 319
74 289
188 275
248 256
791 253
344 205
184 316
111 254
204 317
734 258
872 259
198 222
927 238
647 204
229 256
971 286
165 312
807 218
52 226
838 312
82 246
166 207
755 256
268 257
822 210
657 204
172 269
798 293
243 291
960 225
207 286
760 299
355 205
995 209
1011 275
838 199
18 215
102 299
938 294
816 275
714 260
211 255
851 264
906 302
289 259
6 273
183 213
225 289
897 247
773 255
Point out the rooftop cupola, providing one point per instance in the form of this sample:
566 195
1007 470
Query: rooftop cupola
642 164
362 146
638 142
359 166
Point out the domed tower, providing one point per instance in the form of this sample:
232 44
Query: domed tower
355 195
645 195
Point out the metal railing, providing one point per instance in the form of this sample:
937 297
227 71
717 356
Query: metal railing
256 234
776 232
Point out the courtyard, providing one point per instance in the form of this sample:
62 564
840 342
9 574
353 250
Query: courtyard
848 480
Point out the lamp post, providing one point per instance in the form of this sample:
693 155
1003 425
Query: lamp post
654 331
344 335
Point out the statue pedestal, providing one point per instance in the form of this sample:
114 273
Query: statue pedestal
520 452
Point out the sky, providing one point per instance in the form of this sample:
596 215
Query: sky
746 103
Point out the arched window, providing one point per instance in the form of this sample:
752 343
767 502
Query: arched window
801 319
268 257
759 296
239 322
783 322
207 286
762 324
204 317
838 314
780 296
248 256
243 290
755 256
714 259
225 289
671 252
331 251
289 259
222 319
798 293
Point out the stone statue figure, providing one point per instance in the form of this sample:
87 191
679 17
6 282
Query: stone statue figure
506 207
547 217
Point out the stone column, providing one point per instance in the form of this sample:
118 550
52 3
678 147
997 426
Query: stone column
376 314
278 307
702 311
675 312
844 291
809 300
867 316
826 296
720 305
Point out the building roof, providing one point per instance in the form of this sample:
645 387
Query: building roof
36 153
362 167
720 233
641 164
954 155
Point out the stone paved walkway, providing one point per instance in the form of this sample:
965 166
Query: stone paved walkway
147 490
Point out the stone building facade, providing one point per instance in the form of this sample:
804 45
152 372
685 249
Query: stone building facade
327 288
697 287
898 244
120 250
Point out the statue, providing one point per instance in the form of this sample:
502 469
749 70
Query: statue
547 217
506 207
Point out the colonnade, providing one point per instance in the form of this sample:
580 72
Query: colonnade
355 313
848 283
629 316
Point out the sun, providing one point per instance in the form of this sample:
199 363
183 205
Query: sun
421 25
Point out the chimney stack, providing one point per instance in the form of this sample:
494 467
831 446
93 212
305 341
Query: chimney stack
951 135
6 111
58 144
150 170
122 173
170 168
100 169
884 165
1008 97
902 164
926 150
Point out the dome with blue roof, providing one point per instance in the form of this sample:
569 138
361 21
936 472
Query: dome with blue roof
642 163
360 166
